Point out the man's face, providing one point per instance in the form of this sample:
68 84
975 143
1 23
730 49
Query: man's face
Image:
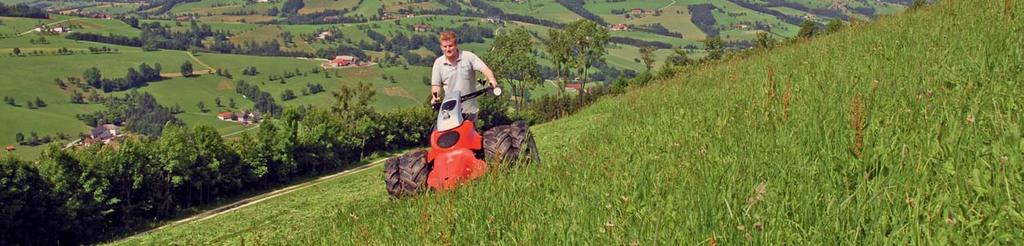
449 47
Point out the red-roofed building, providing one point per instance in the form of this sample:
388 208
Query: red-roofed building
10 148
341 61
573 85
619 27
225 115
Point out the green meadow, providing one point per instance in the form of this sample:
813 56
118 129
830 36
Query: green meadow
541 9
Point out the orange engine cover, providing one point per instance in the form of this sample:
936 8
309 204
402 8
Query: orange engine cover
455 163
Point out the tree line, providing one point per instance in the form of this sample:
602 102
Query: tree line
264 102
576 6
133 79
85 195
138 112
155 36
23 10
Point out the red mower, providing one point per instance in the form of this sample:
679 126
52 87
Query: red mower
457 152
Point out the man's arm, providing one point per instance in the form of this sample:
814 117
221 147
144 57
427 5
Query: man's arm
489 74
479 65
435 84
435 93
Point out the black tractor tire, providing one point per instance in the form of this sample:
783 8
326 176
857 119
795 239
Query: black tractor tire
406 175
510 144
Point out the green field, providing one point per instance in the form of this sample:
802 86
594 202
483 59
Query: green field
104 27
368 9
729 14
393 6
33 76
313 6
268 33
875 135
541 9
113 8
675 16
15 25
203 7
229 27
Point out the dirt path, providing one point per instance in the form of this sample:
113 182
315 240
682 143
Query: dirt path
669 5
262 197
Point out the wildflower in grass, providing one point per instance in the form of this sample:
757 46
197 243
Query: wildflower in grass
970 119
609 225
354 217
759 192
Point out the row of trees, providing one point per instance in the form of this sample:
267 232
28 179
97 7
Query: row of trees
23 10
85 195
156 36
34 139
38 103
263 101
576 6
133 79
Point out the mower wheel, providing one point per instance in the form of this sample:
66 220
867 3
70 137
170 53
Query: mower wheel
406 175
509 144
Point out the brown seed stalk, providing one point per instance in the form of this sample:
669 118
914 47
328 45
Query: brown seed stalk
857 123
786 96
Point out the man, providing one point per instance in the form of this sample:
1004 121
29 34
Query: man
456 71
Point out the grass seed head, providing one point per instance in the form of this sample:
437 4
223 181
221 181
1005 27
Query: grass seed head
857 123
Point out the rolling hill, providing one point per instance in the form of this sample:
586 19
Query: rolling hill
907 130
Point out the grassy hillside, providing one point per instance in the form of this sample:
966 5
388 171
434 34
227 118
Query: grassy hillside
898 132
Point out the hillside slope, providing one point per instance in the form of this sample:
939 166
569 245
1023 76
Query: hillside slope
907 130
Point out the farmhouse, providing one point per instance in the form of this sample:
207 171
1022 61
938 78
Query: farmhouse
243 117
325 35
103 133
342 61
99 16
10 148
619 27
55 29
421 27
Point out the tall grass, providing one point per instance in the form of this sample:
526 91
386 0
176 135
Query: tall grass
903 131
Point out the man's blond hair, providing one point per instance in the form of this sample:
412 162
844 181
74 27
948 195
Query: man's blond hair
448 36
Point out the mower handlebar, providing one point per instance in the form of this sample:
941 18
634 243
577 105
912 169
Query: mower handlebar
497 92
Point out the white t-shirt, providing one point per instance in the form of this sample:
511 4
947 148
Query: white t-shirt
460 76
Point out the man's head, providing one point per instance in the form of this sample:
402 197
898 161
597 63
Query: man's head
449 44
